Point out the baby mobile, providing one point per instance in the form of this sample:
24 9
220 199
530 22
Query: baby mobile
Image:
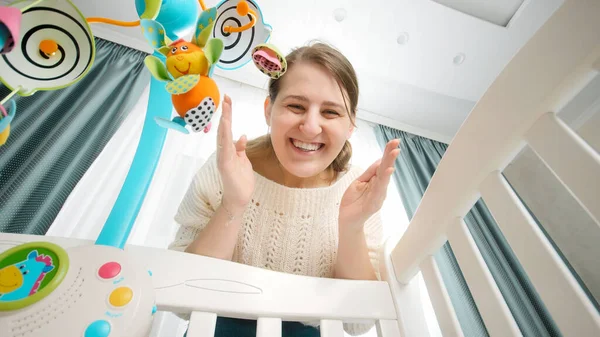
49 45
221 39
44 45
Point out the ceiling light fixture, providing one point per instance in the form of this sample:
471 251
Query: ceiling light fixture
402 38
339 14
459 59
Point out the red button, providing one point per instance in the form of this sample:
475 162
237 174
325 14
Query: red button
109 270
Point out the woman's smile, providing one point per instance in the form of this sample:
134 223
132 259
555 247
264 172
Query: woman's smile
306 148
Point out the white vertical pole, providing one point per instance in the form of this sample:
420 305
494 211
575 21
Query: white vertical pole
494 311
444 311
573 161
202 324
387 328
571 309
332 328
268 327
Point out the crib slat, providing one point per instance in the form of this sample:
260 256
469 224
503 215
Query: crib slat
332 328
202 324
571 309
574 162
268 327
387 328
444 310
490 302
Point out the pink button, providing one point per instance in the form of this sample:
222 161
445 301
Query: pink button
109 270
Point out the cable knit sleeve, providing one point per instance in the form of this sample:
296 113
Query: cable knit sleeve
198 204
374 236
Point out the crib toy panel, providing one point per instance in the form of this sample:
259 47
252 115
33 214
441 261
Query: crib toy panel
75 290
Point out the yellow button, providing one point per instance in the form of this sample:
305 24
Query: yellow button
120 296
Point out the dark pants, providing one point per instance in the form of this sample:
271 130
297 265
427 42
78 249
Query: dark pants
233 327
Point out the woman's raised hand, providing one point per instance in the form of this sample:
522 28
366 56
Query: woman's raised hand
234 166
366 195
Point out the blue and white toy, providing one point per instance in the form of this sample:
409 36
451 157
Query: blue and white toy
89 291
241 32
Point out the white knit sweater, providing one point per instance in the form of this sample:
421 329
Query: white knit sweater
292 230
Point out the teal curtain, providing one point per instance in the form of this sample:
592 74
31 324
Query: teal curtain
418 160
56 135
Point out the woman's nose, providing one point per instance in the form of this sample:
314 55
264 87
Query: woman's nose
311 125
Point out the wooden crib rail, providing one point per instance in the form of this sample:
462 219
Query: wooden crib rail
495 314
571 309
559 147
186 282
518 109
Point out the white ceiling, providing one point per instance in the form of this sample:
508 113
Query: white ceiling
497 12
415 86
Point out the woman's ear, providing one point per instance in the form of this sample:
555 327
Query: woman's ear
350 131
268 111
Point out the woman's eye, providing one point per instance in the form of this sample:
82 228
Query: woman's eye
331 112
296 107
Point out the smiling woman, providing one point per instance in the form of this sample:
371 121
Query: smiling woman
289 200
319 79
311 115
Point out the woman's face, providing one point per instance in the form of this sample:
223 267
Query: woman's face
308 119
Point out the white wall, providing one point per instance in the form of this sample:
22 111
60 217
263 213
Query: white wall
566 222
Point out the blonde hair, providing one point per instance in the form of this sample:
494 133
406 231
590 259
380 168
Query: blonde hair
340 68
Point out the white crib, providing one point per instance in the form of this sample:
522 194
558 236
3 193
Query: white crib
518 109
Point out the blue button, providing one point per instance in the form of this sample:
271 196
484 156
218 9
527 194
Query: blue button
154 310
150 272
100 328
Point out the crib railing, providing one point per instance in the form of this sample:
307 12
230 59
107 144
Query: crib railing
205 288
518 109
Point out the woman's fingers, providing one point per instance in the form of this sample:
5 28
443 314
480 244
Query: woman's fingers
226 111
383 167
225 146
240 146
226 138
370 172
385 170
389 157
226 120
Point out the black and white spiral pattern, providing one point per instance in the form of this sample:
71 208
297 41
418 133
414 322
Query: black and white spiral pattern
28 67
238 46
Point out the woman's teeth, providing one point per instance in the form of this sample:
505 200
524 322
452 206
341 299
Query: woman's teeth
306 146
